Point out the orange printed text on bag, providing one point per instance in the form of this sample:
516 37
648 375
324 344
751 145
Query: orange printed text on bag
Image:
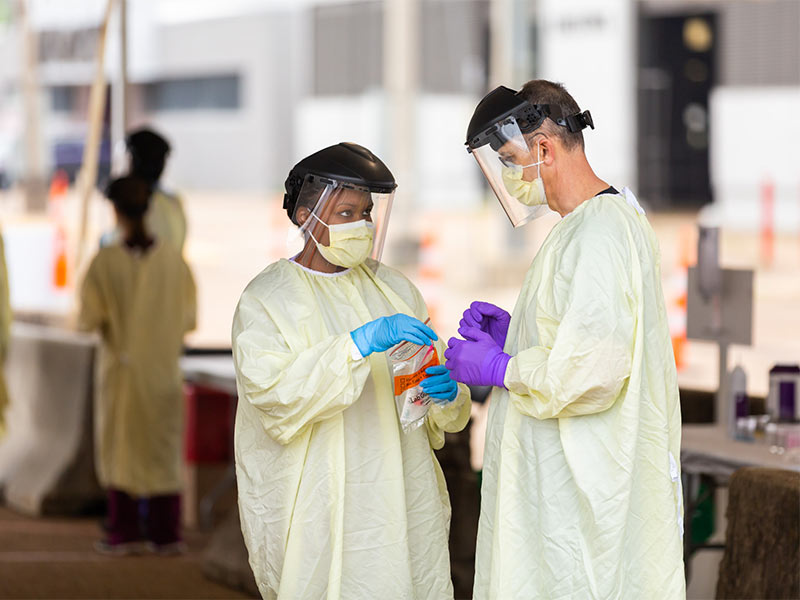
406 382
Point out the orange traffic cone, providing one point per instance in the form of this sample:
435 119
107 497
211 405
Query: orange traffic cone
430 273
676 308
767 222
58 189
60 264
59 185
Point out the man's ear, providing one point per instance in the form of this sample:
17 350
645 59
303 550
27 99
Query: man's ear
301 214
547 150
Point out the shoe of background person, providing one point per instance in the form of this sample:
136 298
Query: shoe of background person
119 549
170 549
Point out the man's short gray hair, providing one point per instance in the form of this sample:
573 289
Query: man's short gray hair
542 91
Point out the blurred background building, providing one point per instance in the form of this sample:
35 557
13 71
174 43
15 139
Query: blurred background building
694 101
244 88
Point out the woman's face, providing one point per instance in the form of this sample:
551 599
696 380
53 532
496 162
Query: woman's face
344 206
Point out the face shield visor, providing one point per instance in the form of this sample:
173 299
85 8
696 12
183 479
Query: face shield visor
324 202
510 163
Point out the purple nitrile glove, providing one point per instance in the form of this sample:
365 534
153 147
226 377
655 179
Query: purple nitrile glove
488 318
477 359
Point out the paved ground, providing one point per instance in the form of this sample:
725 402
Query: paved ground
53 558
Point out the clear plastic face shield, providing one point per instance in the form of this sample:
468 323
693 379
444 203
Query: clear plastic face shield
511 161
325 205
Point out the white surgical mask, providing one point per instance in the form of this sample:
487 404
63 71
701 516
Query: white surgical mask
529 193
350 243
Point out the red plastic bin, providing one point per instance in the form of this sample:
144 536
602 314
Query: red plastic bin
208 434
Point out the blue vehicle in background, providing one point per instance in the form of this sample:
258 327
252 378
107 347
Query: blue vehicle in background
68 155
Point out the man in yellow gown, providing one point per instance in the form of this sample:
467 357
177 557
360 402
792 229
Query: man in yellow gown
581 493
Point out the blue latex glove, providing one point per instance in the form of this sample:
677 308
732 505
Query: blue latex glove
477 359
488 318
439 385
384 332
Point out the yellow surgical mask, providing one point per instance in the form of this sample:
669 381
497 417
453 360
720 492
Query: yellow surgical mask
350 243
529 193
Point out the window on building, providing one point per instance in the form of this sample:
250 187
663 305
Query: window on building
454 52
348 47
221 92
760 44
63 98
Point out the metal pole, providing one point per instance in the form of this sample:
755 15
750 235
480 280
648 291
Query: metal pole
91 151
34 178
119 98
722 407
400 75
501 41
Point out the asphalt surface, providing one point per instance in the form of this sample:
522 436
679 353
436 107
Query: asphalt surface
48 558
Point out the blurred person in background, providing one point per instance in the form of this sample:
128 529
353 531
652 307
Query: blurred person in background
166 220
140 295
335 500
5 333
581 489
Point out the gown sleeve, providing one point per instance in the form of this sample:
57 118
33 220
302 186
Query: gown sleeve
189 299
179 225
5 304
293 385
588 362
93 311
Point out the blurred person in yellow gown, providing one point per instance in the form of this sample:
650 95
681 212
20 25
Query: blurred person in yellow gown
140 295
148 152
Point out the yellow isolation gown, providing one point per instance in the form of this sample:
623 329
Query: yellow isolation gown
166 219
335 500
581 495
142 304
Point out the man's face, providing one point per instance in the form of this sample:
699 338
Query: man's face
512 153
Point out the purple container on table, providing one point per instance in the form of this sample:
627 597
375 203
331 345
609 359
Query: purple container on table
742 405
783 401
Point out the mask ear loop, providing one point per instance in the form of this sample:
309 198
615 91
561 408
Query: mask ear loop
305 228
536 164
318 206
308 230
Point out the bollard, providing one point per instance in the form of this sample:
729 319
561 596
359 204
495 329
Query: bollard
58 189
767 222
430 273
676 304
